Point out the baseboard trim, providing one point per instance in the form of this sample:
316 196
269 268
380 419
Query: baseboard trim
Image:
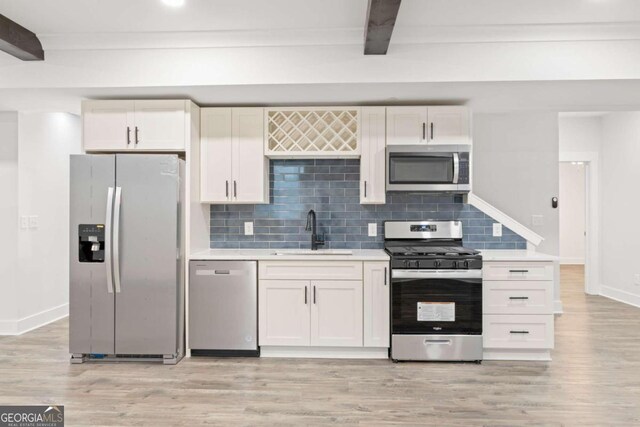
572 261
325 352
557 307
35 321
532 355
620 296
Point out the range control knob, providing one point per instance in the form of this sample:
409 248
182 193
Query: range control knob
437 263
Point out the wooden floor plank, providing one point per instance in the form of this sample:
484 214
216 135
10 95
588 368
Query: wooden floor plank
594 379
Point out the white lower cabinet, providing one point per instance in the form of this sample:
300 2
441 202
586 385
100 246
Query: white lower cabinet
518 320
311 305
376 304
283 312
336 313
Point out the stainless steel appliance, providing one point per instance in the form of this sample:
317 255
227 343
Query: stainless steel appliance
429 168
436 292
223 308
127 258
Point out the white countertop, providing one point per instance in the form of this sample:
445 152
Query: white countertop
515 255
287 255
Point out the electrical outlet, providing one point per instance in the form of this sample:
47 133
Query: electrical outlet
24 222
537 219
497 229
248 228
33 221
373 229
636 279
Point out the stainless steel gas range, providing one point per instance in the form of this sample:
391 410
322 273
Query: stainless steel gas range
436 292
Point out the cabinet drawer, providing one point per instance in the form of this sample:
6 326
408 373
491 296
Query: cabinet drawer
517 297
518 331
517 271
310 270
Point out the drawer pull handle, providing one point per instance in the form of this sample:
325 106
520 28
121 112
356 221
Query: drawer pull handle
518 332
518 271
222 272
518 297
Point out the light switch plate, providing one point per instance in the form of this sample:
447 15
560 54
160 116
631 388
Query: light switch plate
537 219
248 228
24 222
497 229
33 221
373 229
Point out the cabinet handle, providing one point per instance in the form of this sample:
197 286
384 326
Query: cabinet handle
226 186
518 271
314 294
431 126
305 295
518 297
137 135
365 189
385 276
128 135
235 189
519 332
424 130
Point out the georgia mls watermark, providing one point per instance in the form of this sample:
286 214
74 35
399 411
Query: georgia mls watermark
32 416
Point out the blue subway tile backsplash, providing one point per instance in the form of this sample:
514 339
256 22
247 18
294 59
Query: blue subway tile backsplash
331 188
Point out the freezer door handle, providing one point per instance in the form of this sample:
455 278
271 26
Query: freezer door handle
107 240
116 239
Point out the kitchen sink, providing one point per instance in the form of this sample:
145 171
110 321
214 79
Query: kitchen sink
318 252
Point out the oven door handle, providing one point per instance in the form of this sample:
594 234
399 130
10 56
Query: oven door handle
436 274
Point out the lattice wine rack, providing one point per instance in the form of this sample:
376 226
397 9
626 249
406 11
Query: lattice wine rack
313 131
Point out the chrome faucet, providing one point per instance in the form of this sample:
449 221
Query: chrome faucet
311 226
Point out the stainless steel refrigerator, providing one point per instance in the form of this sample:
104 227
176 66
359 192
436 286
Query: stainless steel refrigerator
126 294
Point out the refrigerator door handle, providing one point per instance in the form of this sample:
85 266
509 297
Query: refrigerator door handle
107 242
116 239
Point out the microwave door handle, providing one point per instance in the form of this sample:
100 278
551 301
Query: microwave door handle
456 168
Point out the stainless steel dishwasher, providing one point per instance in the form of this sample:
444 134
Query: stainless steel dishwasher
223 308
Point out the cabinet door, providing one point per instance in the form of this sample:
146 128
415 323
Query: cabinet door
336 313
283 312
372 160
376 304
107 125
249 165
160 125
406 125
448 125
215 155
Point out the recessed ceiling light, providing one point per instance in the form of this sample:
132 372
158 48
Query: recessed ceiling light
173 3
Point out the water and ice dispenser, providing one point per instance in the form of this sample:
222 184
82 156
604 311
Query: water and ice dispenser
91 242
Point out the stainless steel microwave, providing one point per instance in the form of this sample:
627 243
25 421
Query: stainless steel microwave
429 168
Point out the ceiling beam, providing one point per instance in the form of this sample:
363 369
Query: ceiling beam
381 18
19 42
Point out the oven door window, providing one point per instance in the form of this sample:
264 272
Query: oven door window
437 306
420 169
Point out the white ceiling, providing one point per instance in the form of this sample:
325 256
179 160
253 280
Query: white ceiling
107 16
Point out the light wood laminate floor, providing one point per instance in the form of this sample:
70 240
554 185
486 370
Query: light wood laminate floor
594 379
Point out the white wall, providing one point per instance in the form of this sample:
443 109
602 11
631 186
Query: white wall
515 168
572 213
8 218
580 133
620 176
41 282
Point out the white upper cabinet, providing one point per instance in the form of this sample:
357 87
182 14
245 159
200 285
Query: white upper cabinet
376 304
406 125
233 166
428 125
372 160
215 154
151 125
107 125
449 125
160 125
